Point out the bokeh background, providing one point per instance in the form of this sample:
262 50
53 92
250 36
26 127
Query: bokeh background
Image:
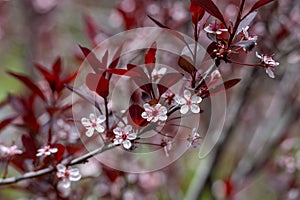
258 154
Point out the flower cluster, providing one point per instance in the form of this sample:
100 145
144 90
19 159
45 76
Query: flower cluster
9 151
124 135
155 112
268 63
93 124
188 102
67 174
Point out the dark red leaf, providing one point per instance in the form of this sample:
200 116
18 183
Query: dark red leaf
90 27
84 96
47 75
176 34
31 85
98 84
57 67
6 122
150 58
224 86
167 81
125 72
29 146
59 154
186 64
115 59
210 7
135 112
93 60
197 12
259 4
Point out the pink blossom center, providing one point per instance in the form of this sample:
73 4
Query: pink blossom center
94 125
124 136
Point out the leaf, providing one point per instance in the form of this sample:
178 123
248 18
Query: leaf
246 21
90 27
210 7
6 122
197 12
84 96
176 34
29 146
167 81
135 112
259 4
97 66
225 86
31 85
116 58
185 63
57 67
98 83
124 72
150 57
59 154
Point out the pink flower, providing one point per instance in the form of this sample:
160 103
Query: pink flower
188 102
93 124
268 63
46 151
123 135
214 29
67 175
9 151
155 113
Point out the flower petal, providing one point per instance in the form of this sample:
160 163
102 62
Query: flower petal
131 136
184 109
187 94
195 108
144 115
89 132
163 117
180 100
92 117
85 122
100 128
127 128
196 99
270 72
163 110
101 119
126 144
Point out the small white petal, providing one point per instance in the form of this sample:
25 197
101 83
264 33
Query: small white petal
180 100
257 55
127 128
270 73
53 150
126 144
163 117
66 183
187 94
131 136
89 132
61 167
101 119
100 128
92 117
74 175
117 141
39 154
195 108
85 122
117 131
144 115
163 110
147 106
184 109
157 106
196 99
153 119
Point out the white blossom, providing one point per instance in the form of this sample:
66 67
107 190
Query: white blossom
46 151
93 124
269 64
155 113
214 29
9 151
194 139
158 73
124 135
66 175
188 102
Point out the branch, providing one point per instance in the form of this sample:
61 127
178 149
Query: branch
49 170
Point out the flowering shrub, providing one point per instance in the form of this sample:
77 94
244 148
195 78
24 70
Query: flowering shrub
132 97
